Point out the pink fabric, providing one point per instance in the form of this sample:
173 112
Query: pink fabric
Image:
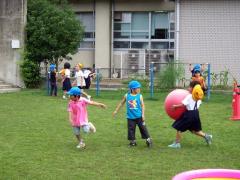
79 111
208 173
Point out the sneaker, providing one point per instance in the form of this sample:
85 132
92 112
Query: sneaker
81 145
175 145
92 127
149 142
132 144
208 138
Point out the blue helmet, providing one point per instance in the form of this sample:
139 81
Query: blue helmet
134 85
74 91
52 67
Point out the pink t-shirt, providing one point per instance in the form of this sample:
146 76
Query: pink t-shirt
79 111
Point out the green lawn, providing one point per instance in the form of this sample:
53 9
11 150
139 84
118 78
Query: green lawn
36 140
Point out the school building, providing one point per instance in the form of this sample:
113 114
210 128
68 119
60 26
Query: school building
130 34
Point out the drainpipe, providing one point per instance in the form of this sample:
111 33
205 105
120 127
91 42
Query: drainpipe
177 10
94 23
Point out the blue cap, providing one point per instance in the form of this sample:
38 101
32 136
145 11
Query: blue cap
134 85
197 66
52 67
74 91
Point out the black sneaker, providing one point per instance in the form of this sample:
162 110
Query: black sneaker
132 144
149 142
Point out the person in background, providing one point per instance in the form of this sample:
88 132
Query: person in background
199 78
66 79
79 80
88 75
198 67
53 80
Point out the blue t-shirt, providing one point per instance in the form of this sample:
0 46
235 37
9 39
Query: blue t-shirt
134 108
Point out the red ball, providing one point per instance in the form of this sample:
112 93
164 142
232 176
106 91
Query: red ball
175 97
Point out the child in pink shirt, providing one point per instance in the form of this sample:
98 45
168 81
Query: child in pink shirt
78 115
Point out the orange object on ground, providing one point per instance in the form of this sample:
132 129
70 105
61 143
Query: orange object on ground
236 102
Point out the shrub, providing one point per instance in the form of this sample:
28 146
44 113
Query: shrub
168 77
30 71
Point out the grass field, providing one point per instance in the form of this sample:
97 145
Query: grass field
36 140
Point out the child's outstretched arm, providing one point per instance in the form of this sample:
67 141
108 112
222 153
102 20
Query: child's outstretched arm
175 106
86 95
98 104
143 108
119 106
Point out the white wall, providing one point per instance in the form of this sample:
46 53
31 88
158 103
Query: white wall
210 32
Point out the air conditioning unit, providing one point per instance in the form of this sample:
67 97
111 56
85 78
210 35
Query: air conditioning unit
133 60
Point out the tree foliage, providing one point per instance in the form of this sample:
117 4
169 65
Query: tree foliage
52 31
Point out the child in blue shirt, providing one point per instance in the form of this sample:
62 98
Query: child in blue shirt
135 113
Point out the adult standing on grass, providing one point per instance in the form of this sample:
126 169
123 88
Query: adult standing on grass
190 119
78 115
135 113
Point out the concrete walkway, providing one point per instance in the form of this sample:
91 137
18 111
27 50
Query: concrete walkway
6 88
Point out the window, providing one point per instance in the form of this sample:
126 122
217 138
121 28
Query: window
139 26
138 30
160 45
172 46
88 22
139 45
172 25
159 26
122 44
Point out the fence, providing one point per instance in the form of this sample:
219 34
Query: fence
125 63
151 68
159 75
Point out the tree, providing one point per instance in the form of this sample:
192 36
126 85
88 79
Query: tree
53 32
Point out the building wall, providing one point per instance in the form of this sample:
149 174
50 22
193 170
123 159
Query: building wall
209 32
102 34
143 5
84 57
101 56
82 6
12 22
